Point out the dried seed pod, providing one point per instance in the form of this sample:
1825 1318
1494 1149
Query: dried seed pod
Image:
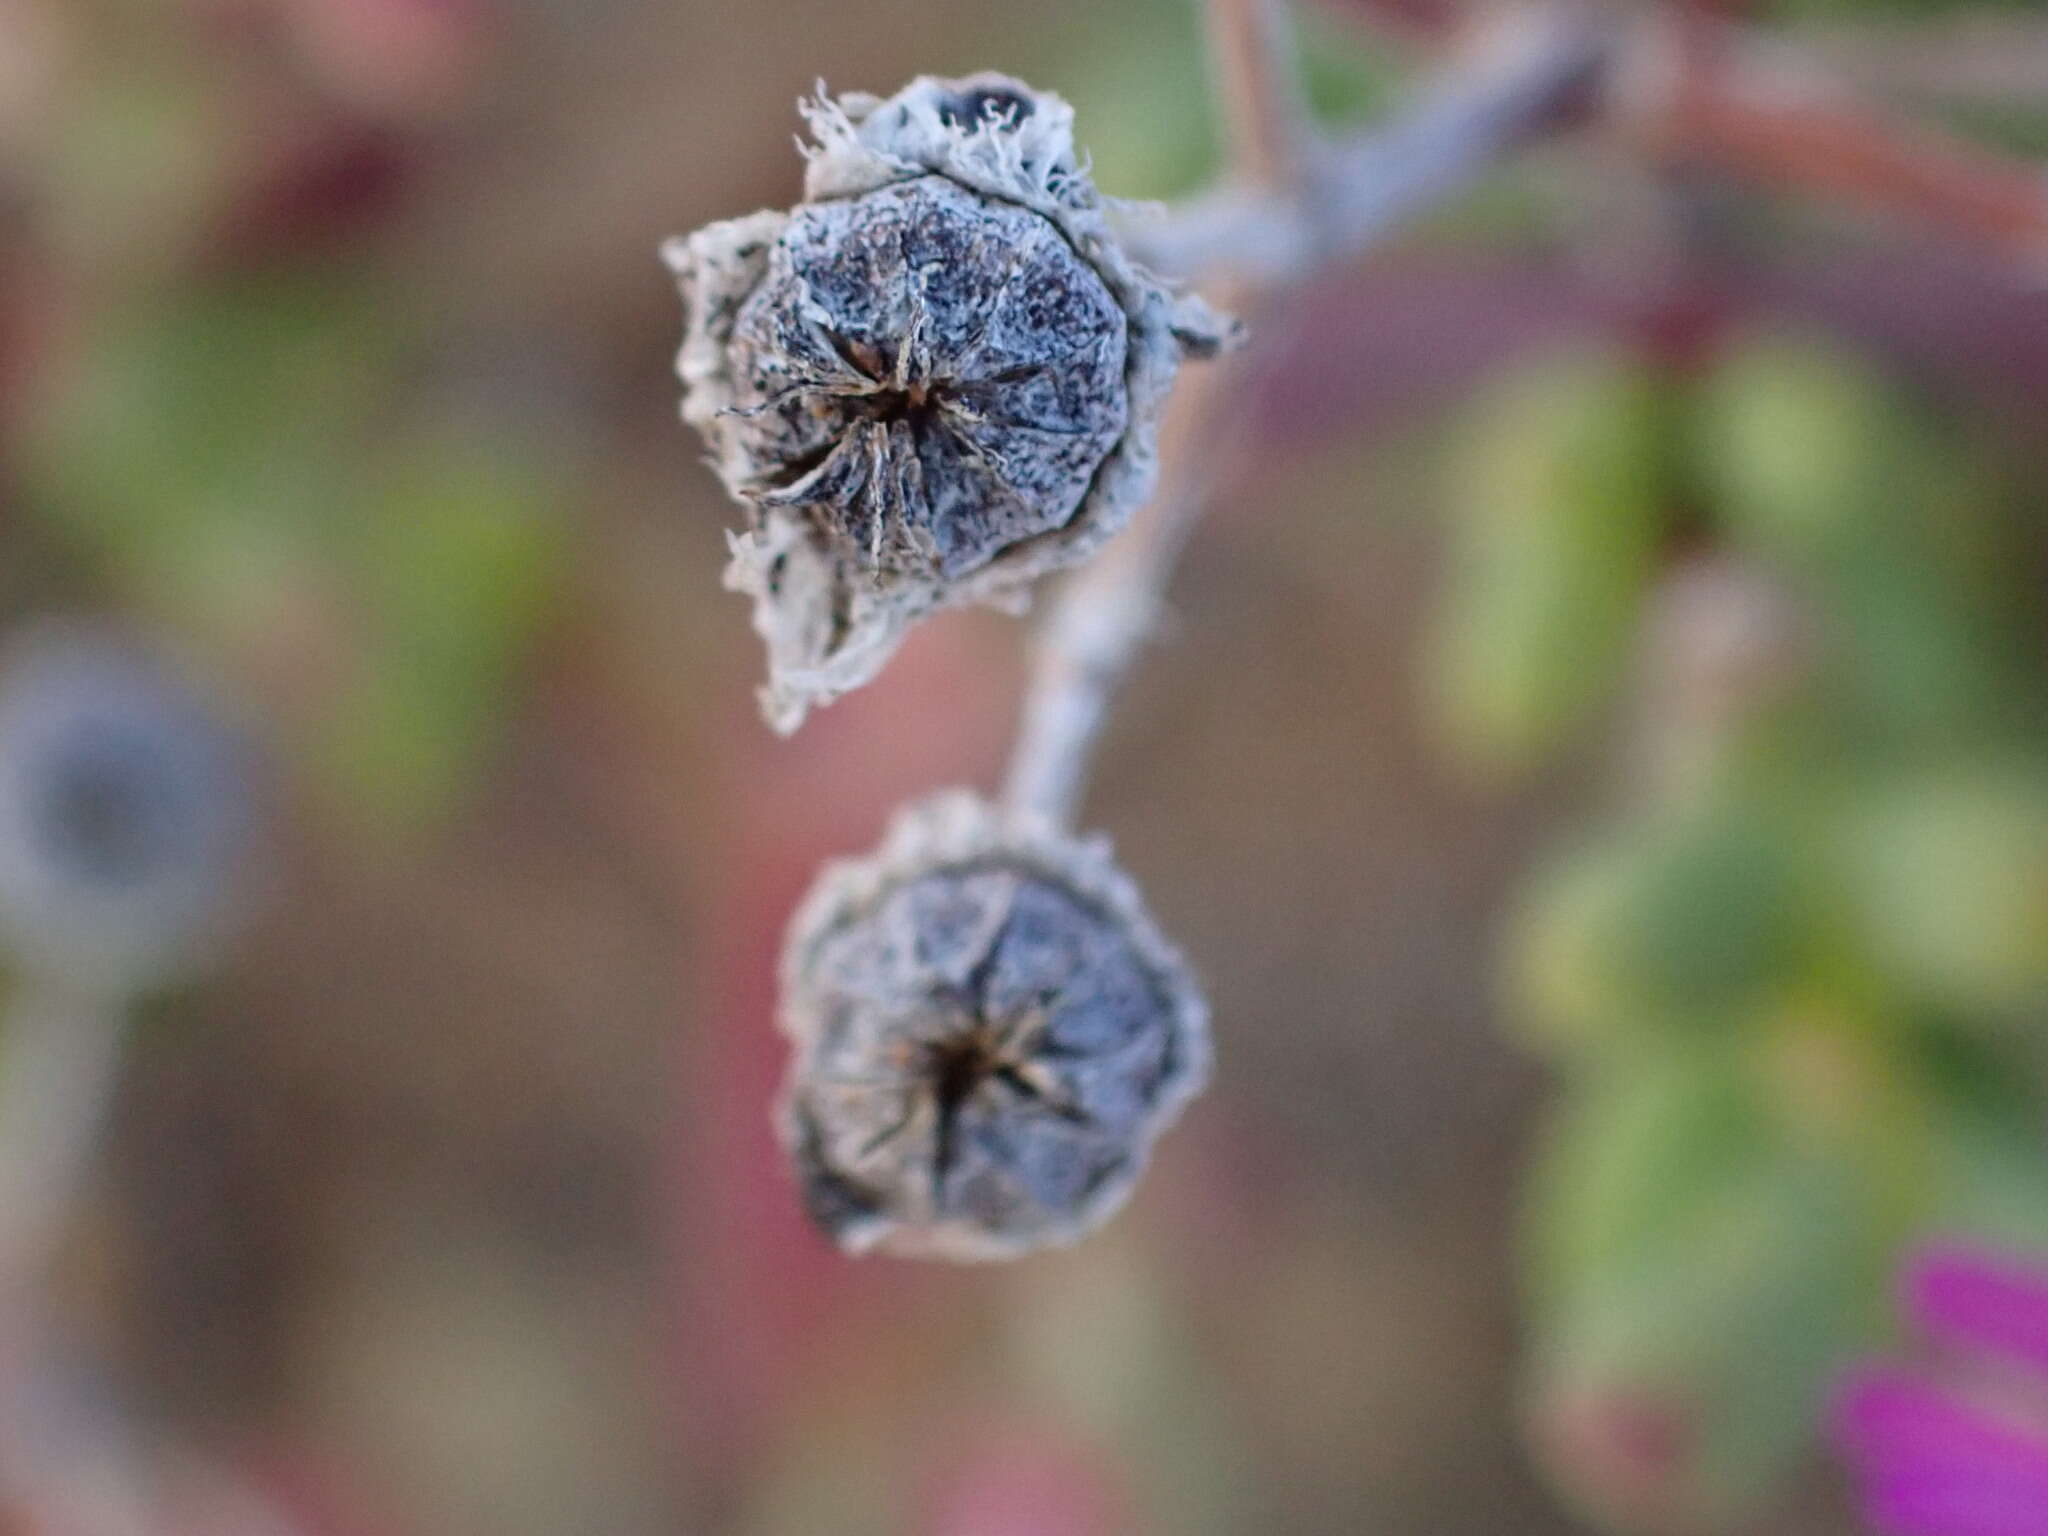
934 380
125 812
989 1032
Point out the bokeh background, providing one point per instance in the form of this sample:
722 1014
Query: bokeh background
1596 759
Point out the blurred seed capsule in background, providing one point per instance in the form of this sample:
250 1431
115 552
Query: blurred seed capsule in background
1680 922
1699 1271
126 812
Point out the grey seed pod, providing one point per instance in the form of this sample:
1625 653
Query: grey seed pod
124 812
989 1033
936 379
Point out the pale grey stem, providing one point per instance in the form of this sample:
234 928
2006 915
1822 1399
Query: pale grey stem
1267 237
1104 612
57 1069
1083 647
1267 131
1523 74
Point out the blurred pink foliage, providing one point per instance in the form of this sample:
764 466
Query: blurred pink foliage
1025 1480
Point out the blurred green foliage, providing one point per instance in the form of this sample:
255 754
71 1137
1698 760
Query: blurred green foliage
1555 511
249 464
1666 924
1817 465
1794 987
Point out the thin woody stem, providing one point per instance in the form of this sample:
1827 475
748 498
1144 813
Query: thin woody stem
1296 203
63 1047
1102 616
1521 75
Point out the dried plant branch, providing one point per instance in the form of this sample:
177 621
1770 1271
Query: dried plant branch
1522 74
1676 87
1706 92
60 1069
1514 84
1709 95
1098 621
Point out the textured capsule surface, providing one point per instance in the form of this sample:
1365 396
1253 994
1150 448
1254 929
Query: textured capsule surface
930 375
934 380
989 1034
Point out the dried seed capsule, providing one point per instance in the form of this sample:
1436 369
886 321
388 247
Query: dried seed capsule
125 812
989 1032
934 380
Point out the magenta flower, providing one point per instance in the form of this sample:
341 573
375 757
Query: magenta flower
1956 1443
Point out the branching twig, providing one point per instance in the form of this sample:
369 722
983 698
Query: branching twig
1296 203
1672 86
1522 75
1106 610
